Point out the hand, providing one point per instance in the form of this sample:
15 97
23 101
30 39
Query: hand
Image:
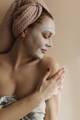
49 85
59 83
59 86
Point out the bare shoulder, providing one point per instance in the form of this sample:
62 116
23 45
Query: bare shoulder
49 62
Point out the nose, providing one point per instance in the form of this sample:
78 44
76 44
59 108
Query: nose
49 43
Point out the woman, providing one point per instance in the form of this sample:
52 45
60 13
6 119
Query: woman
28 79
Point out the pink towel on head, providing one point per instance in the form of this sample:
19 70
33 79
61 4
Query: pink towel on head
26 13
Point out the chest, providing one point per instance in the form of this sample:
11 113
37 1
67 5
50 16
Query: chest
26 79
23 81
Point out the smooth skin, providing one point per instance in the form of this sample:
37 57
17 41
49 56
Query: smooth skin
31 89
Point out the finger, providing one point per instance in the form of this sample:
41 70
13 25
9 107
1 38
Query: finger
60 88
56 91
47 75
59 82
60 71
62 76
58 74
62 81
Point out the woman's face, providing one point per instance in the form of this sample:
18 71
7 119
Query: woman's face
39 38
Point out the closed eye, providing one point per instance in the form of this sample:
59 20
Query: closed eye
47 35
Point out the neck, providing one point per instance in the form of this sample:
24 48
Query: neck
18 54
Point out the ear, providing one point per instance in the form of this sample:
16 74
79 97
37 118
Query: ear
23 35
26 31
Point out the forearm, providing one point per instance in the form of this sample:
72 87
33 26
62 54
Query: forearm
20 108
53 108
51 114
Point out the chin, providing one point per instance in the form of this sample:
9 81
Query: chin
39 55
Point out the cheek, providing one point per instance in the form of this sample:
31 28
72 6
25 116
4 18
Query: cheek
37 38
39 41
28 42
34 42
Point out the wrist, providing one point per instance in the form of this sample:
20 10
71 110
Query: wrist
37 98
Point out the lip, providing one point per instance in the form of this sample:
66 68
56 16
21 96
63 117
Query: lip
44 51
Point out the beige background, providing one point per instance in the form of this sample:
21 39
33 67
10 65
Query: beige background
66 49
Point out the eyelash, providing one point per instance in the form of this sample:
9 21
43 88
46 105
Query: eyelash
47 37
